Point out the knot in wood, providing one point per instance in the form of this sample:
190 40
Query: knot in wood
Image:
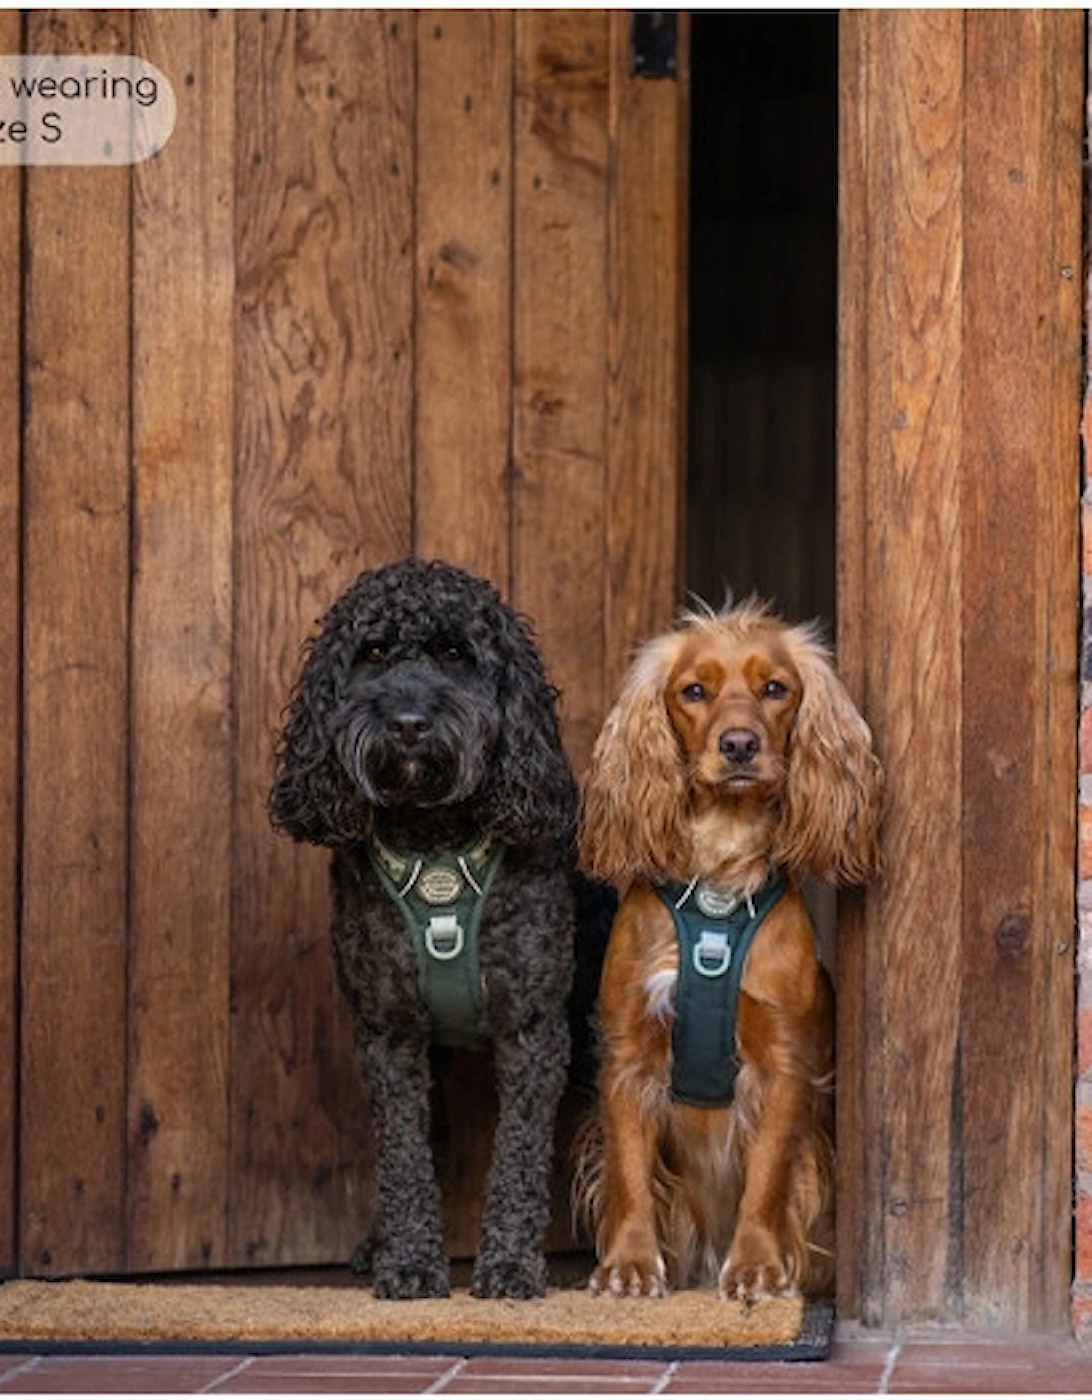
1012 933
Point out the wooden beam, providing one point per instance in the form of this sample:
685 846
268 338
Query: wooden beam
647 346
75 696
463 350
182 762
11 423
324 422
560 317
1021 485
958 497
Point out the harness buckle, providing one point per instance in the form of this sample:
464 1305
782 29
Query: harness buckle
712 954
444 937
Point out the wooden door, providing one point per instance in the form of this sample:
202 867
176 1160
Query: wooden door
399 282
959 489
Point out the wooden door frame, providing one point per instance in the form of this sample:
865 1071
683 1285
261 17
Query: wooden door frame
959 345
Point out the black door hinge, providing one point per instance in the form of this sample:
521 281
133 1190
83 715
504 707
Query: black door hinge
653 44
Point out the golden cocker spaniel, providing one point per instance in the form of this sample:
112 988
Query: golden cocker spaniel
733 763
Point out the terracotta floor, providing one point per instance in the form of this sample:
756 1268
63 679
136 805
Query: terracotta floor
860 1363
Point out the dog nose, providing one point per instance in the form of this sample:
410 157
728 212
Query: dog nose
739 746
407 726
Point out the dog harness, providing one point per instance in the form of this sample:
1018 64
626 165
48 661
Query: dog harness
441 899
714 934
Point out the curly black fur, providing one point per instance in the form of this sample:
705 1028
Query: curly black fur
423 716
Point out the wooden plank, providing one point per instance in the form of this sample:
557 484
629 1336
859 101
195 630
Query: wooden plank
923 63
559 413
463 393
463 352
904 102
72 1176
858 1241
1021 505
646 433
11 41
1063 73
959 494
183 311
325 273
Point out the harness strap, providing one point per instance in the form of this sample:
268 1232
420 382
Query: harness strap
441 898
714 936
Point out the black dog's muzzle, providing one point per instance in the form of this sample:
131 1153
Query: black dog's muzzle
407 735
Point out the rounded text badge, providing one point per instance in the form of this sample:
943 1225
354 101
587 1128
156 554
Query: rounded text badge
82 109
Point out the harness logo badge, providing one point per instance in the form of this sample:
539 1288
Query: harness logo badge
712 953
439 884
713 904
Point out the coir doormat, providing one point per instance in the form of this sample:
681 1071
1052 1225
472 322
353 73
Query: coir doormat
84 1315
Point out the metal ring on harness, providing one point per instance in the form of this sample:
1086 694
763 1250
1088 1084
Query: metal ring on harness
712 954
444 937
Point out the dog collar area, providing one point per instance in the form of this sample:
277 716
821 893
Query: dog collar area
441 899
714 934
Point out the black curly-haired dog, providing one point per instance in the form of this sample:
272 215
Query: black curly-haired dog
421 744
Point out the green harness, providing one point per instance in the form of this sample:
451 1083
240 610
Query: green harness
714 935
441 899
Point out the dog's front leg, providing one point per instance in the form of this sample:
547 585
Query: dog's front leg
769 1250
631 1263
632 1098
409 1259
530 1067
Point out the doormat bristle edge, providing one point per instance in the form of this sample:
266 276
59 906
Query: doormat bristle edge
81 1317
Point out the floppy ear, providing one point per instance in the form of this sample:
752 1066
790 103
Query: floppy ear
530 794
634 823
312 798
834 791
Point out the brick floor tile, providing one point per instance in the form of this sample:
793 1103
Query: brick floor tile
10 1364
985 1365
554 1375
115 1375
327 1373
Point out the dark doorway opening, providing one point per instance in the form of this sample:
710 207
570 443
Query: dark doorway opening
760 488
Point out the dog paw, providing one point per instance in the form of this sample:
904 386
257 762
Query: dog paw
416 1278
755 1269
509 1278
361 1262
644 1278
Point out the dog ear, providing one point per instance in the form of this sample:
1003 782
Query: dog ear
635 818
834 790
312 798
530 794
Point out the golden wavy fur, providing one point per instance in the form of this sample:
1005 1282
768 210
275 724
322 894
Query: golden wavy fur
733 751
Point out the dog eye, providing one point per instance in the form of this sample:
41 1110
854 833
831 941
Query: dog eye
693 693
372 654
775 690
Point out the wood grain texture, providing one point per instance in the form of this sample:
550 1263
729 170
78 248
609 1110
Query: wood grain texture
179 964
919 446
858 1247
76 631
11 415
958 495
904 300
1021 506
559 413
324 258
463 409
360 305
1063 75
463 348
646 385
